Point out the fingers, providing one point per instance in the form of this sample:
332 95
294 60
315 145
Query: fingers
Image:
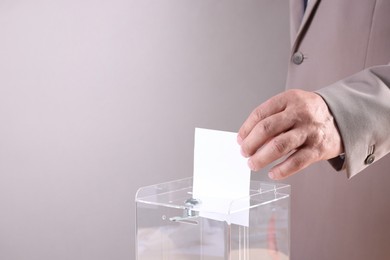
272 106
293 164
264 131
276 148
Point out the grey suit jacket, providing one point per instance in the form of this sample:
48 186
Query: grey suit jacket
341 50
345 46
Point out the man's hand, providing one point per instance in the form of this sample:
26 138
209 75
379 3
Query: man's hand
295 123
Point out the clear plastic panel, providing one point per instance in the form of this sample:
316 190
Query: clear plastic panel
169 226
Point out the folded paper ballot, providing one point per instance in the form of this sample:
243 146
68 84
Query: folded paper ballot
221 176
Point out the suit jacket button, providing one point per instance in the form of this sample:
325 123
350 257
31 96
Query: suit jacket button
297 58
370 159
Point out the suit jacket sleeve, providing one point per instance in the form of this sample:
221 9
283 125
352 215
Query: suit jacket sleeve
360 105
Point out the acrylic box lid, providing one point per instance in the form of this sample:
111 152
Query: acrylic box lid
178 194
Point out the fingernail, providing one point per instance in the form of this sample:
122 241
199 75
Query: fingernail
271 175
239 140
250 164
243 153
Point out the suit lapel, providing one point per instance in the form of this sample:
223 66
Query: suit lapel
296 15
299 24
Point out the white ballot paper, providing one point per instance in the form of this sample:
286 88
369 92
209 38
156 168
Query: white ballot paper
221 177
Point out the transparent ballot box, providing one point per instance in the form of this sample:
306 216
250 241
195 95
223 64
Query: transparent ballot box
172 225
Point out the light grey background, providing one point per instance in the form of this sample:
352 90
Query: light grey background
99 98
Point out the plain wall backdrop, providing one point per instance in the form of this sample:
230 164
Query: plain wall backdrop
99 98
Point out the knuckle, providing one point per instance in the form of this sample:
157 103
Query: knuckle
258 115
294 94
317 138
266 127
280 146
307 109
305 112
298 162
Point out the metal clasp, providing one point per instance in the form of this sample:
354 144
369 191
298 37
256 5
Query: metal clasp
189 214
